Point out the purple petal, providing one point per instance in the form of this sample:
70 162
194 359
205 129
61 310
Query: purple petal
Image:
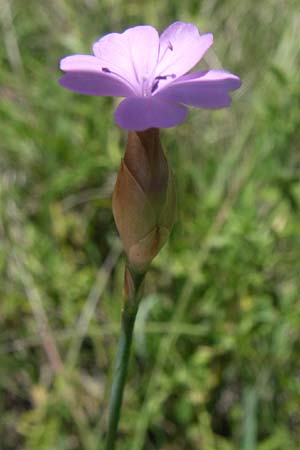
132 54
207 89
138 113
181 48
85 75
80 63
95 84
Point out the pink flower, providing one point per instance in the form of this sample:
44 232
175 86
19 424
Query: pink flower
149 71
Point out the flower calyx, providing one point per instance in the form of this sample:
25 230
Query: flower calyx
144 199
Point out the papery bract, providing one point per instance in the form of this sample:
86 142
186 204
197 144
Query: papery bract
150 71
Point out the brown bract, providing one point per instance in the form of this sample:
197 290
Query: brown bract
144 199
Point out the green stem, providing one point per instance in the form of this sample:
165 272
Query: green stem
120 371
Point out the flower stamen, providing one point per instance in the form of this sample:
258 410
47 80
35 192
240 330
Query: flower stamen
161 77
107 70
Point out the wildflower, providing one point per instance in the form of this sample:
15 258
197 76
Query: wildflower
151 73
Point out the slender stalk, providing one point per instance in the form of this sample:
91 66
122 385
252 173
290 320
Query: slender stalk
133 284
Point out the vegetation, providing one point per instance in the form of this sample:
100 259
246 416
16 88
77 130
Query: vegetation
216 355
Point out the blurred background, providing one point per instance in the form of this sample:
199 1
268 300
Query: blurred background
216 355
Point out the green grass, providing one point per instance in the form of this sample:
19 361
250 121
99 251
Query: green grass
216 357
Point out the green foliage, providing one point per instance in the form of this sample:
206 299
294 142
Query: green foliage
217 344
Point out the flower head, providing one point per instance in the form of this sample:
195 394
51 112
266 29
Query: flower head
150 71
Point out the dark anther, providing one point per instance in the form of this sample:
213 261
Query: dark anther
161 77
154 86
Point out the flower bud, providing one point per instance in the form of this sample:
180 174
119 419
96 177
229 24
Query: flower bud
144 199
